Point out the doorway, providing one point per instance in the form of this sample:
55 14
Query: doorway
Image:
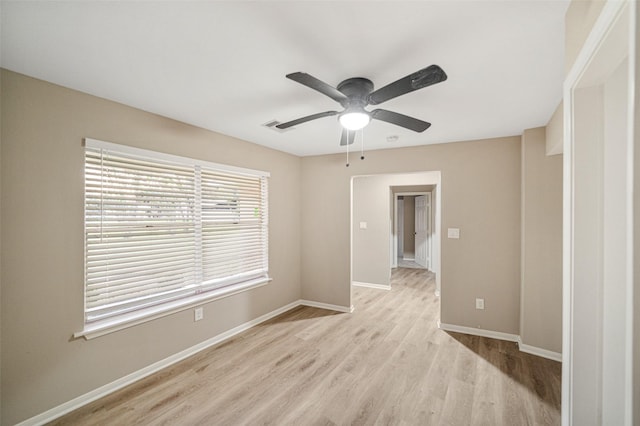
598 361
374 226
413 228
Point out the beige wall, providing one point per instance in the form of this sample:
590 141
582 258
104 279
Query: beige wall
580 17
370 246
41 165
409 237
554 132
541 297
480 195
43 126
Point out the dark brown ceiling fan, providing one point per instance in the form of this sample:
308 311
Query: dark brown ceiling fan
354 94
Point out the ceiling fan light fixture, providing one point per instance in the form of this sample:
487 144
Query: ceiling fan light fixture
354 120
356 93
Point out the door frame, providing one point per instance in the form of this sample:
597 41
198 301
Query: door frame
395 180
584 387
394 230
428 230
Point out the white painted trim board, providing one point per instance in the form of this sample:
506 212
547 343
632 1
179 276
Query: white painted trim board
479 332
327 306
533 350
544 353
371 285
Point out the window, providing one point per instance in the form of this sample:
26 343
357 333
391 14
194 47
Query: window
161 230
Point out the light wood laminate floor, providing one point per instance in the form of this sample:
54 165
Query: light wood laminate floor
386 363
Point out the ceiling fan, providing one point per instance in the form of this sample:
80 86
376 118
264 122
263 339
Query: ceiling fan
354 94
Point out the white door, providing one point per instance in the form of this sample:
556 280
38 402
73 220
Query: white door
421 231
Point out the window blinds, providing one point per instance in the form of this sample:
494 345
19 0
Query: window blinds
160 228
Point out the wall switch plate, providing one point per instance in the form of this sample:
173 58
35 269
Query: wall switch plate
479 303
363 225
198 314
453 233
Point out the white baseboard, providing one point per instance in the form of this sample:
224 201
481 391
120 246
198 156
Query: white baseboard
544 353
120 383
479 332
330 307
371 285
409 259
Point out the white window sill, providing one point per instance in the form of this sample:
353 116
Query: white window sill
110 325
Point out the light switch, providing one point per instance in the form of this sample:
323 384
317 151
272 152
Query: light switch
198 314
363 225
453 232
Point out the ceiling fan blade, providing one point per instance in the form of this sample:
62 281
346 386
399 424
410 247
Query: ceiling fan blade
418 80
320 86
305 119
400 120
347 138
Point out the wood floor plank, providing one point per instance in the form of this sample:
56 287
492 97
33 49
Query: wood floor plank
385 364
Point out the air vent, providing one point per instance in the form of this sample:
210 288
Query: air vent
271 124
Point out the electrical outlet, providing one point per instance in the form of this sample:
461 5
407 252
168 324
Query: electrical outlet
198 314
479 303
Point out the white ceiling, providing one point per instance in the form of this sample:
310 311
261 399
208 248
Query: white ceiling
222 65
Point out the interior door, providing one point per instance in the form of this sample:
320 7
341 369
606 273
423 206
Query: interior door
421 231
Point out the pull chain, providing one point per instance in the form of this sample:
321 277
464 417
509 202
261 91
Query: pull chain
362 144
347 146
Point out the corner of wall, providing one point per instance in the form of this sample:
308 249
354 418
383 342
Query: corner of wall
541 240
554 132
579 20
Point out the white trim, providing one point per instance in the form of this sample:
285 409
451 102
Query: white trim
437 292
522 230
479 332
410 194
544 353
328 306
566 403
126 149
632 214
409 259
120 383
533 350
599 32
371 285
111 325
351 240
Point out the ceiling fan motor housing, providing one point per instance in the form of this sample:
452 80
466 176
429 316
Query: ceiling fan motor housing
357 90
